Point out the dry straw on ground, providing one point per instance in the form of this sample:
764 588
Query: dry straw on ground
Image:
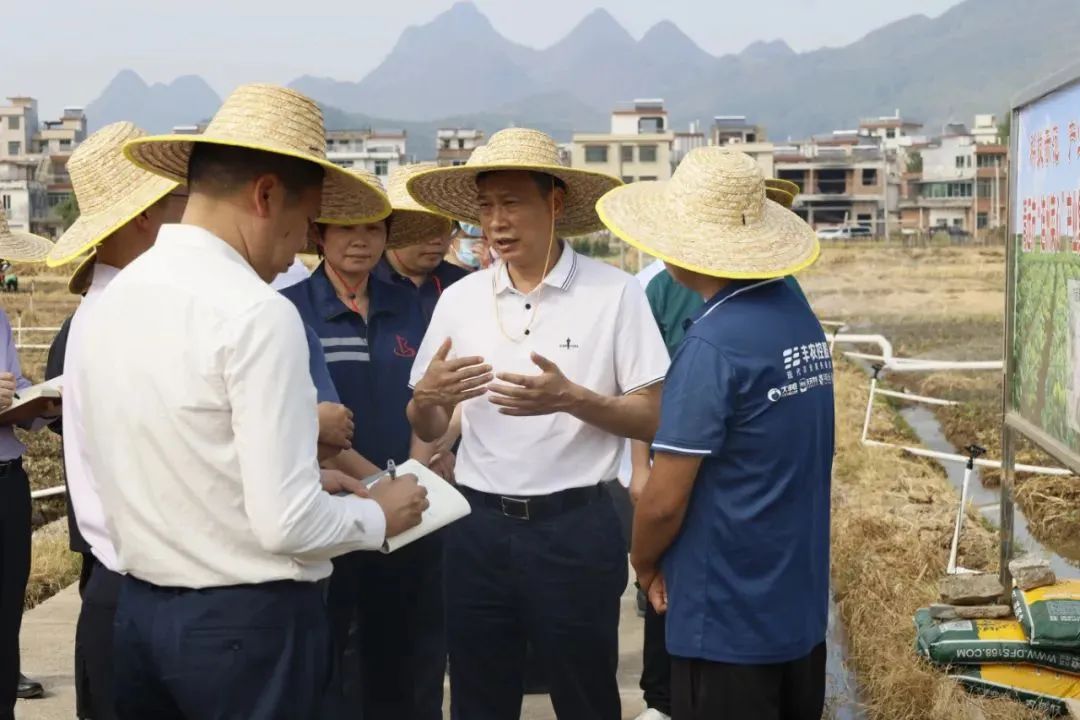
892 523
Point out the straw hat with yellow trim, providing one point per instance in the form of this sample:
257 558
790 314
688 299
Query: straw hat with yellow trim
410 222
713 218
110 191
270 119
80 280
778 196
20 246
452 190
785 185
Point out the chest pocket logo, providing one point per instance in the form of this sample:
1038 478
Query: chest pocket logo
403 348
569 345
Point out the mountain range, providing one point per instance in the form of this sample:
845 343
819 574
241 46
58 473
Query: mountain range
973 58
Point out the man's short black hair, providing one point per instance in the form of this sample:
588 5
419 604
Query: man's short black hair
221 170
544 182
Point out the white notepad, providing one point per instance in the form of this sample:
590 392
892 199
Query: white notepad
32 402
447 505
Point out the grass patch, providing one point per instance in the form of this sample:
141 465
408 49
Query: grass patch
53 565
892 524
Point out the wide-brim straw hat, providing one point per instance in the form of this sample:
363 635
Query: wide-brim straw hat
80 280
713 218
110 190
452 190
778 196
785 185
21 246
271 119
410 222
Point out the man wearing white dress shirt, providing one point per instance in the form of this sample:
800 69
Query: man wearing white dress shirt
200 424
119 221
553 360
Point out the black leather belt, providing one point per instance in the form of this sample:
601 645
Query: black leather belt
534 507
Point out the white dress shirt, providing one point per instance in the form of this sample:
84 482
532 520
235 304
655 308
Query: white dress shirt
85 498
200 425
296 273
593 321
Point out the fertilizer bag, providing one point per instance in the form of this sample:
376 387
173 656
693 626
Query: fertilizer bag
1043 690
1050 615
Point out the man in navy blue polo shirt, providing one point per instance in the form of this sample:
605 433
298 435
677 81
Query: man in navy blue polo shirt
417 263
731 535
386 610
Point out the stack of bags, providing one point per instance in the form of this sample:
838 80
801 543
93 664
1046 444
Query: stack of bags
1032 656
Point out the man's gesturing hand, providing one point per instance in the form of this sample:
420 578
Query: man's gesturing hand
526 395
449 382
7 390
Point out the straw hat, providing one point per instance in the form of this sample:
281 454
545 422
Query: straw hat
271 119
80 280
410 222
778 196
712 218
110 190
785 185
452 190
20 246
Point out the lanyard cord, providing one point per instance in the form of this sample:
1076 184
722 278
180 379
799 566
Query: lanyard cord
351 298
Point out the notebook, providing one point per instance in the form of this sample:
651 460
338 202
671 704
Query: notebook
447 505
32 402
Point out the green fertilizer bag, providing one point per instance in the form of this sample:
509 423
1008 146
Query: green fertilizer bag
978 642
1050 615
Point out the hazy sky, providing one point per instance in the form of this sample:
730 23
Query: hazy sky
64 52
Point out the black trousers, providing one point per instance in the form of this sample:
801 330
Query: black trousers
100 591
554 582
14 572
703 690
247 652
389 633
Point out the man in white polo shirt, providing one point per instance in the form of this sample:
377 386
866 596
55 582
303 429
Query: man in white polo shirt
554 359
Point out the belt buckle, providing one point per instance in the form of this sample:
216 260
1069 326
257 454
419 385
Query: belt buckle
522 513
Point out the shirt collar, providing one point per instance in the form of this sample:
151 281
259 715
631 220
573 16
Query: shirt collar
733 288
560 277
202 241
330 306
103 275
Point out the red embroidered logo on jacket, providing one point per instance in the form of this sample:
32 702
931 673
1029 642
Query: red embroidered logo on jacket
403 348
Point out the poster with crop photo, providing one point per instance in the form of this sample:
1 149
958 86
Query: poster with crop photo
1044 388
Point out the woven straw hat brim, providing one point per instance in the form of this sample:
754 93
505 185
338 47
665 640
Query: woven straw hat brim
781 197
779 244
452 191
168 155
785 185
90 230
413 227
23 247
80 280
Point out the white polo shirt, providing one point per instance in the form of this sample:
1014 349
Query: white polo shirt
593 321
200 425
85 498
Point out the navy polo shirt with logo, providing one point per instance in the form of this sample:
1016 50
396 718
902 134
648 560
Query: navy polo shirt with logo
443 276
369 362
320 374
750 392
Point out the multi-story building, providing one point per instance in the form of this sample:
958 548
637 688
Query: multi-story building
453 146
893 131
35 154
736 132
638 147
845 179
378 151
23 197
686 141
962 182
